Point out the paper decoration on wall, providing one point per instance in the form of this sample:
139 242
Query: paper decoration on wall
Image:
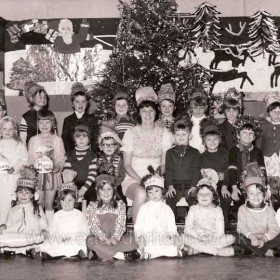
66 41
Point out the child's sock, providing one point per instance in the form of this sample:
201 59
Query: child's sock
119 256
269 253
49 215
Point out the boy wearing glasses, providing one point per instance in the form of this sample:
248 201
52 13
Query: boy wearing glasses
109 160
84 162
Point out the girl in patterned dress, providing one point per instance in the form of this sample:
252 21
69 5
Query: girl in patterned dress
107 224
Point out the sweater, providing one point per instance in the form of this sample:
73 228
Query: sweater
217 161
257 221
235 163
182 166
84 163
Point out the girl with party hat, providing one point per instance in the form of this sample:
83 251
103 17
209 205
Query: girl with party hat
155 228
204 226
68 228
26 224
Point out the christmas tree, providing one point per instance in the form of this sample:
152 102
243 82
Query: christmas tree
21 73
149 37
206 27
263 34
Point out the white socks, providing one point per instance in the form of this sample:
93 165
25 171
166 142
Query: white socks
49 215
119 256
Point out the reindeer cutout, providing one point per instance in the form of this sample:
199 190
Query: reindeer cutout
224 76
274 76
236 54
230 30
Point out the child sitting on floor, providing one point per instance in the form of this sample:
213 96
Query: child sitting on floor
26 223
107 223
204 228
68 228
256 224
155 228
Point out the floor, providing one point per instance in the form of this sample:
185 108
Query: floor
194 267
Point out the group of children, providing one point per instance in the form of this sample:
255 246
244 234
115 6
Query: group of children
218 169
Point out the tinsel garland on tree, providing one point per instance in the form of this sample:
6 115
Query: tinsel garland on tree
149 37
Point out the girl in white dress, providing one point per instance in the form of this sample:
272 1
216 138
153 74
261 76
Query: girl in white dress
14 153
155 228
204 227
68 228
26 224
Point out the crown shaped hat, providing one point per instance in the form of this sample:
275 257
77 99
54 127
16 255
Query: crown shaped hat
210 178
244 120
253 175
107 131
31 88
77 87
166 92
271 98
155 180
145 93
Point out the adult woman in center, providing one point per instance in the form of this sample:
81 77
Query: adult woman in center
143 145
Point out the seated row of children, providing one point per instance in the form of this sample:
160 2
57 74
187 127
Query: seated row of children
102 233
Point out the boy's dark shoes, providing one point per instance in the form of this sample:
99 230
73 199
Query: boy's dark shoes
131 255
31 253
9 254
93 256
45 257
276 252
81 255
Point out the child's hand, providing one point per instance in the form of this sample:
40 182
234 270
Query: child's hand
171 192
45 234
2 228
225 193
82 191
107 241
254 240
11 170
192 191
262 239
235 193
113 241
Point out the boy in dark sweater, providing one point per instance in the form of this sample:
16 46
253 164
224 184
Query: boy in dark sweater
183 164
243 153
216 157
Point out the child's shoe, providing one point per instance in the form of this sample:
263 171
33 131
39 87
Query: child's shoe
9 254
93 256
131 255
81 255
31 253
45 257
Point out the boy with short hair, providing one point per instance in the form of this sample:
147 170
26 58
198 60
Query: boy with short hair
248 129
183 164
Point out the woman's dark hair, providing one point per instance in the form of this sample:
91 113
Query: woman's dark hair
215 200
36 209
62 196
231 104
113 202
273 106
145 104
258 186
